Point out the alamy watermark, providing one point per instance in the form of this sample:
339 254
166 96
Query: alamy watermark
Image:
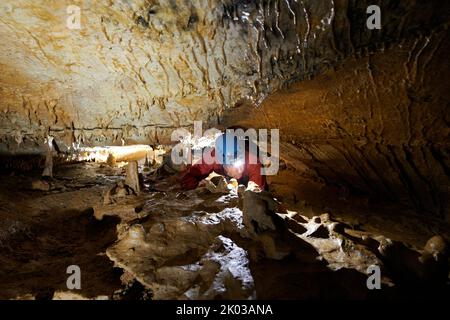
374 279
374 20
74 280
73 21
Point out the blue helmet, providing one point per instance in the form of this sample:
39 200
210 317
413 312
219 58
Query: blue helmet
228 149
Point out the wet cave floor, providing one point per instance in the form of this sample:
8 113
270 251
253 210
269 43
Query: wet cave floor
166 243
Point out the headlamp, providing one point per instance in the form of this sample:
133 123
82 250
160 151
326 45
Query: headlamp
238 163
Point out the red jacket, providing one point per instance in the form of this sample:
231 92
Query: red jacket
199 171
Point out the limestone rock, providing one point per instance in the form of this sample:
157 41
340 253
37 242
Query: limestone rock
119 190
40 185
216 183
337 248
186 257
436 246
132 177
320 232
257 210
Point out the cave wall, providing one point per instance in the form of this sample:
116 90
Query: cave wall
367 109
376 125
138 69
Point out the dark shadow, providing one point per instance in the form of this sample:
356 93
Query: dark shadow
37 265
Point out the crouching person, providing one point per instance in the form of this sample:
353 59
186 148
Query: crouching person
229 158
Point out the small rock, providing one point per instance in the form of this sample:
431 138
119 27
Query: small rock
257 210
40 185
436 246
299 218
107 197
216 183
146 170
111 161
336 227
321 232
121 192
325 217
295 227
219 181
136 233
241 189
232 186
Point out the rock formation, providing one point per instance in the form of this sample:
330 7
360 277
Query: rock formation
363 120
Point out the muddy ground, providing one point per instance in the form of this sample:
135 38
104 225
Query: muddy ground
46 226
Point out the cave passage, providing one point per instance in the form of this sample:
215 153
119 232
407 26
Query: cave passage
326 124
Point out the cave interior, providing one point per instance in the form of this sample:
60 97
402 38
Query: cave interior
354 96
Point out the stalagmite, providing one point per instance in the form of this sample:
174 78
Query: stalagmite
132 178
48 170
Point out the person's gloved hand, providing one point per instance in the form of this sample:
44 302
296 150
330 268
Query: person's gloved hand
253 187
203 183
